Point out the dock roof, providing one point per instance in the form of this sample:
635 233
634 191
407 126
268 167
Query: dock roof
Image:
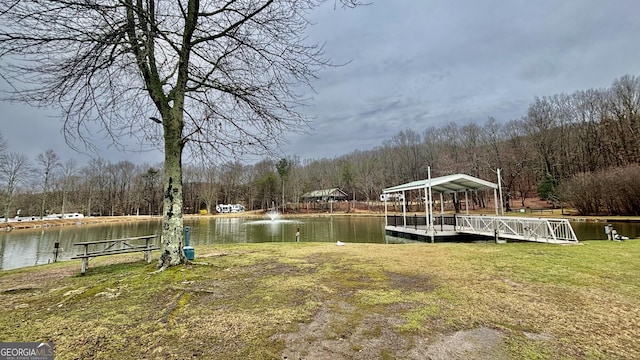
445 184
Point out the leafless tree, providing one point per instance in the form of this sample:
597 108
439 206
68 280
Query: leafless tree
624 108
4 145
295 185
95 174
471 140
595 147
48 162
367 177
191 180
69 172
209 190
516 159
150 186
219 74
451 149
230 175
407 144
14 170
430 141
541 128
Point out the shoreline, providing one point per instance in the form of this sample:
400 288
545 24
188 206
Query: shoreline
259 214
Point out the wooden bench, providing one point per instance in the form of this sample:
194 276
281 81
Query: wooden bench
116 246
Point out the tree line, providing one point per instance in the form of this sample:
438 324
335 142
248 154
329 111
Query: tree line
547 153
582 149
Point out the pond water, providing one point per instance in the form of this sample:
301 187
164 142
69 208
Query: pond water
595 230
33 247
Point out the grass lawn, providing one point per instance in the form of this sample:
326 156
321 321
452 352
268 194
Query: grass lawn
322 301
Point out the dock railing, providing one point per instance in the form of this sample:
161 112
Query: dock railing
420 221
519 228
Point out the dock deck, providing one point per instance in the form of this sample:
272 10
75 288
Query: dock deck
553 231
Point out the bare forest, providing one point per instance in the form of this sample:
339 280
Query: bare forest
581 150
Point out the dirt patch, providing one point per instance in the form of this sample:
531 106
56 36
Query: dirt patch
33 280
16 289
376 337
271 268
480 343
327 337
410 283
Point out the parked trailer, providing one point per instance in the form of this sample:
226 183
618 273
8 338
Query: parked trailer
392 197
229 208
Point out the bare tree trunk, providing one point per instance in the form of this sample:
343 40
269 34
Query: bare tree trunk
172 225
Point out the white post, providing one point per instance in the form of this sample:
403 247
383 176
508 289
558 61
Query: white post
442 208
426 208
386 222
466 201
404 210
495 200
431 206
500 189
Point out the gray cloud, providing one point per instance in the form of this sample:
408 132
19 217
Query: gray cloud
416 64
412 64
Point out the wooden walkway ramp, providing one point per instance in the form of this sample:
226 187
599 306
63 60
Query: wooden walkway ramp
553 231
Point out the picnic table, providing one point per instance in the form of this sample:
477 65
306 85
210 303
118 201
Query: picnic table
92 249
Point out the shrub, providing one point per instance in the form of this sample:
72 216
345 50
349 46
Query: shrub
614 191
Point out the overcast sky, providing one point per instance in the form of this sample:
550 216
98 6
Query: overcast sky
413 64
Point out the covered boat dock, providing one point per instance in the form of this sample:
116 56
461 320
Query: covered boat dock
441 226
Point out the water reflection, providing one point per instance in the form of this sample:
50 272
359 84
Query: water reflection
31 247
35 246
589 230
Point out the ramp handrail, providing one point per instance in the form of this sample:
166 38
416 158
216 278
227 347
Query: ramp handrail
536 229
